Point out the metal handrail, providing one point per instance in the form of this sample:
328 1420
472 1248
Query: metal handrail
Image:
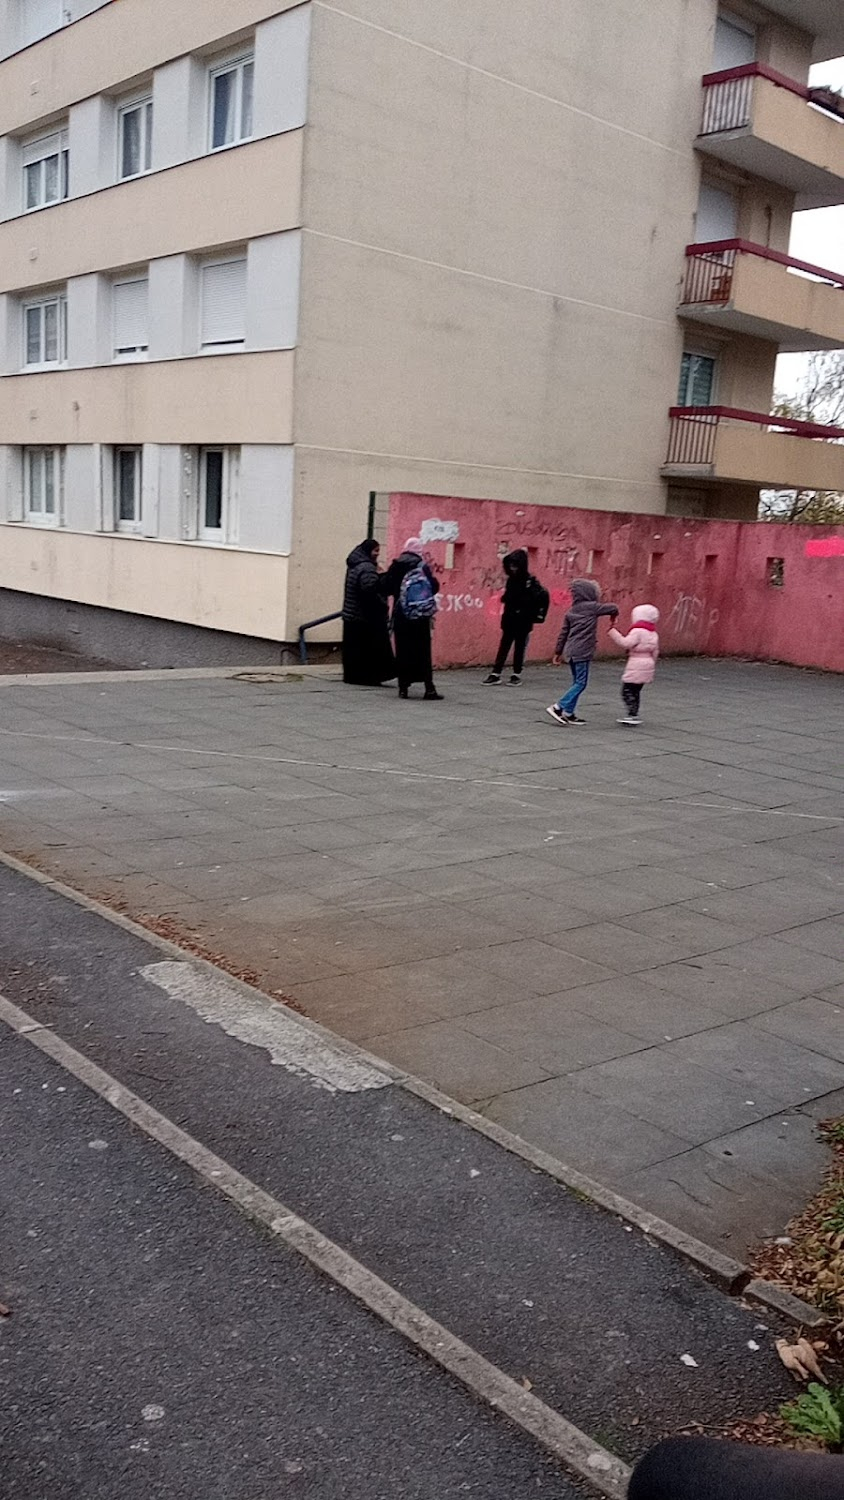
760 419
312 625
694 429
748 247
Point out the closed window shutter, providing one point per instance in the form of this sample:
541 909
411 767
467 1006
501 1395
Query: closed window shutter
224 303
39 17
131 301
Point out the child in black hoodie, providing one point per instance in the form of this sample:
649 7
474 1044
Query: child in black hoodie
519 615
577 644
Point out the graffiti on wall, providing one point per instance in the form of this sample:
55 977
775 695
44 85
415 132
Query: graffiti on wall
690 618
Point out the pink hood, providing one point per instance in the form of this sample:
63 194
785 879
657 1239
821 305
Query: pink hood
641 644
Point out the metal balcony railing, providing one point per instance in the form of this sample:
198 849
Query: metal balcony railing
694 430
710 268
728 96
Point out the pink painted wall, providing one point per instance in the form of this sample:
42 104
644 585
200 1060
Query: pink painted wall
710 579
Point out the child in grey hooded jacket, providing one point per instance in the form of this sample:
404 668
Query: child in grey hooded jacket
577 644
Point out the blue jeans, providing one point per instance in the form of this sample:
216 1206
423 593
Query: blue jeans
580 675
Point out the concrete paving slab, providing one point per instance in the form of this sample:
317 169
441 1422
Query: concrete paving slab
714 1198
618 947
811 1022
463 1066
539 966
759 1060
782 1151
826 936
679 1097
395 869
596 1136
644 1011
550 1031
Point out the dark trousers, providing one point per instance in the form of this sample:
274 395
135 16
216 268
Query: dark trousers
513 637
631 692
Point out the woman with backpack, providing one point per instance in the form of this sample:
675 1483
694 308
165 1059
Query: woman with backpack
526 604
413 587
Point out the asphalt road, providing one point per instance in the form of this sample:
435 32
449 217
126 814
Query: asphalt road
134 1287
158 1346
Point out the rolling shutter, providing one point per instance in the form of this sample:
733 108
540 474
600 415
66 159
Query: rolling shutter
223 318
131 316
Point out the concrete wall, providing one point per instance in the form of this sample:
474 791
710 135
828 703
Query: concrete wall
710 579
495 208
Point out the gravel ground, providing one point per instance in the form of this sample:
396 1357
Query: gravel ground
20 657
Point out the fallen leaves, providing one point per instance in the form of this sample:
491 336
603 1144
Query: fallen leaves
800 1358
5 1312
809 1259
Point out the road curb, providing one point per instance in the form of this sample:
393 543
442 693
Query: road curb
732 1276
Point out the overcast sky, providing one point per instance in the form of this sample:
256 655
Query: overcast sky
817 237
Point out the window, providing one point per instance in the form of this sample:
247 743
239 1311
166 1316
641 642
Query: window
134 138
45 332
39 18
42 482
735 43
232 89
223 303
218 472
127 489
697 380
130 309
45 171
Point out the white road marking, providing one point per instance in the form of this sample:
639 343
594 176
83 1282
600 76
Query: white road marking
290 1044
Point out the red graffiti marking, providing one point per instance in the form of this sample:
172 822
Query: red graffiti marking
832 546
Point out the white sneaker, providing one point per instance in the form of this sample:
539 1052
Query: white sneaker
630 720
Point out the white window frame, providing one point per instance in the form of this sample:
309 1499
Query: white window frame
53 299
140 352
142 103
235 65
128 527
43 456
224 533
229 346
52 144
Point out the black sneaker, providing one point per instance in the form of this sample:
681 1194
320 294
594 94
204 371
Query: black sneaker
432 696
573 719
493 680
515 680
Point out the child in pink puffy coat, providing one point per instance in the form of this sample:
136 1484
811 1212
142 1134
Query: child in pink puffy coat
642 647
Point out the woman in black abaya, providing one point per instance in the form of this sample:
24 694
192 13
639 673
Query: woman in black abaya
367 654
412 636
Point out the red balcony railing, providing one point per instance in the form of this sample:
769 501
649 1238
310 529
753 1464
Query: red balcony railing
710 267
728 96
695 428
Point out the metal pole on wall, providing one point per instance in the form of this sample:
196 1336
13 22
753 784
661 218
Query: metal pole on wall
370 525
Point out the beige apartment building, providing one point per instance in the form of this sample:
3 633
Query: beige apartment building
263 259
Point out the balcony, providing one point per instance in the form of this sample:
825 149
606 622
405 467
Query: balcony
719 444
771 127
749 289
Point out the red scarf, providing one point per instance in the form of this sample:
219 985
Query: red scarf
643 625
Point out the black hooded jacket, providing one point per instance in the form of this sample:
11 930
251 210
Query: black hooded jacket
362 599
519 606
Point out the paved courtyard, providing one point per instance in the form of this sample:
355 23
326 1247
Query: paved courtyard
627 947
